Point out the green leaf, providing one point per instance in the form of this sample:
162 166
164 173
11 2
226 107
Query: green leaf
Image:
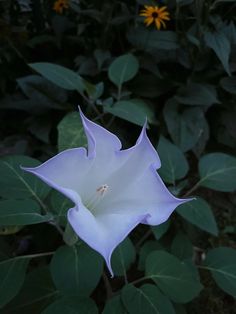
229 84
12 276
199 213
114 306
36 293
197 94
218 42
151 40
161 229
123 69
187 127
76 270
72 305
222 264
218 172
180 309
174 278
20 213
42 92
60 205
123 257
222 1
134 110
181 247
174 165
71 132
147 299
60 76
149 86
145 250
18 184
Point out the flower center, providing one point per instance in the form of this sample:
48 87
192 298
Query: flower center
154 15
97 197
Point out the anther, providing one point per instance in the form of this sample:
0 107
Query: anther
102 189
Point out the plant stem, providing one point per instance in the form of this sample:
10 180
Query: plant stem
195 187
139 280
56 225
35 255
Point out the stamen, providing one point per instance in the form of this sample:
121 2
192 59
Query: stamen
97 197
102 189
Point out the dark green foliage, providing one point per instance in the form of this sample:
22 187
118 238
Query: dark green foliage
181 80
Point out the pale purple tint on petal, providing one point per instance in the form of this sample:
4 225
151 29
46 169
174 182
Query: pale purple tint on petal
113 190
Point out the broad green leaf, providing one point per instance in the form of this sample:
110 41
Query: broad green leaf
151 40
181 247
222 1
146 299
218 42
199 213
21 212
145 250
123 257
218 172
37 292
187 127
60 75
147 85
184 2
180 309
133 110
72 305
40 127
16 183
101 56
222 264
123 69
59 308
197 94
174 278
60 205
229 84
12 276
42 92
71 132
76 270
161 229
114 306
174 165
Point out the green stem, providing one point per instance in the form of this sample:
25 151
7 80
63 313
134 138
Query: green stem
139 280
195 187
35 255
55 224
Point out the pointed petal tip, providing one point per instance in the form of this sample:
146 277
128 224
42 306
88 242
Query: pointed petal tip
28 169
108 263
143 138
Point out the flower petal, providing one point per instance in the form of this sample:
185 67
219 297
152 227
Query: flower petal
102 233
100 141
158 23
67 170
146 195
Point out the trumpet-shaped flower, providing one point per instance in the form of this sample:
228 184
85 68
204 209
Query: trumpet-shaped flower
113 190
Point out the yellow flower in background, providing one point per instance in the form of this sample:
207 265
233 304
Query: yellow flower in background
60 5
155 14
